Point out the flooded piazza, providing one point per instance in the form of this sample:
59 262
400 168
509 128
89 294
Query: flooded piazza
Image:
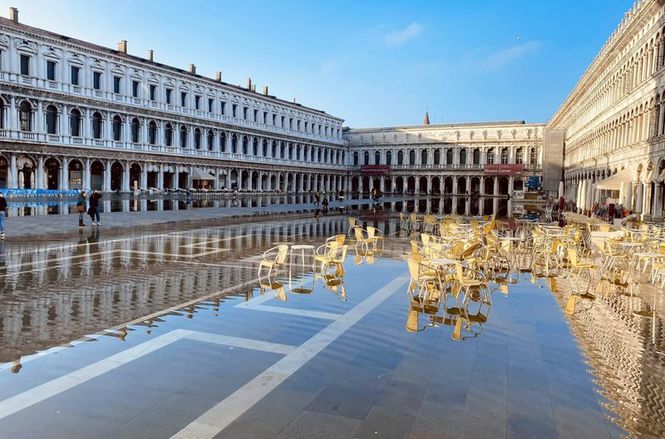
206 332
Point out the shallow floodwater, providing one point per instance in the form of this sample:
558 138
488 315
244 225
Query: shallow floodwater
534 368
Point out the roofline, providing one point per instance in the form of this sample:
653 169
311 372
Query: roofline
64 38
448 125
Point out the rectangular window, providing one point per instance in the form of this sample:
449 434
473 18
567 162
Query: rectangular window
153 92
135 89
290 123
211 102
265 117
25 65
75 73
234 110
222 108
116 84
244 112
298 125
282 122
169 93
50 70
183 99
256 115
274 120
197 102
97 80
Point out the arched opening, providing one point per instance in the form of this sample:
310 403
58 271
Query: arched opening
135 176
264 183
234 179
377 157
75 123
399 185
234 144
197 138
388 186
26 172
355 158
75 174
448 186
116 127
476 156
211 140
436 186
366 158
152 132
504 156
519 155
245 144
449 156
51 119
183 180
474 204
222 142
400 157
422 185
255 147
183 138
462 157
25 116
264 148
412 157
411 185
96 125
136 129
96 176
52 169
244 180
490 156
503 186
423 156
168 134
116 176
389 158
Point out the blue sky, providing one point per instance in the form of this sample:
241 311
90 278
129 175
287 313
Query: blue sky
372 63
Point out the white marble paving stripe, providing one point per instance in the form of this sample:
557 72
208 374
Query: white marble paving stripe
294 311
54 387
225 412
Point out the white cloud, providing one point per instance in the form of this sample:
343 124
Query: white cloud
508 54
401 36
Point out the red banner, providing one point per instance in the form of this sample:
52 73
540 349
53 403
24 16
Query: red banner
375 169
504 169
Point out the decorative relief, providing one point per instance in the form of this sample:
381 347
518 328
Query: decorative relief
4 40
30 46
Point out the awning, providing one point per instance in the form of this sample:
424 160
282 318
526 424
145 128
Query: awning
200 174
613 182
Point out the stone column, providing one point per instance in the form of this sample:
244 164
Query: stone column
106 185
454 185
125 177
64 174
160 178
86 175
144 176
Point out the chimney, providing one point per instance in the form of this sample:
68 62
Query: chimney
13 15
151 55
265 90
122 46
249 83
218 77
192 69
426 118
254 87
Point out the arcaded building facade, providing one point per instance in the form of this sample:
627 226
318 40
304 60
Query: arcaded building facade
476 166
74 115
613 122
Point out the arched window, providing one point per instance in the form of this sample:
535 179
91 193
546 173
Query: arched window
377 157
2 113
51 119
533 156
136 128
412 157
355 158
273 148
437 156
449 156
183 136
291 152
222 142
423 156
490 156
519 156
400 157
96 125
264 148
211 140
25 116
462 156
366 158
75 123
389 158
168 134
116 126
255 147
476 156
197 138
234 143
152 132
244 145
504 156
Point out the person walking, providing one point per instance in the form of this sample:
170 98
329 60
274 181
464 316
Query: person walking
3 212
80 207
94 207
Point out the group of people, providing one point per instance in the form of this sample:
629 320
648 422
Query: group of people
92 207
